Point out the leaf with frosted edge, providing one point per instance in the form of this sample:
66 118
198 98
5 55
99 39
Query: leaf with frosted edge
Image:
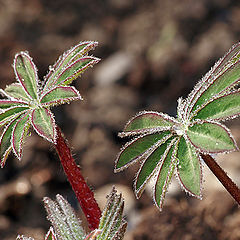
189 168
221 108
68 57
15 90
111 214
60 213
60 95
5 103
50 235
165 175
5 142
72 221
146 121
230 58
19 134
26 73
57 219
10 114
211 137
219 86
149 166
44 124
136 149
74 70
112 224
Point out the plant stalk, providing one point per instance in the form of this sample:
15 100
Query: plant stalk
227 182
83 193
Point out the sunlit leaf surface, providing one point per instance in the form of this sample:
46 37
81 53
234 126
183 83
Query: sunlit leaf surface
164 145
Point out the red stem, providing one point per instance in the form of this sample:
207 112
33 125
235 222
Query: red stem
230 186
83 193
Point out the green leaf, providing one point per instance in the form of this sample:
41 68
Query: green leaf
139 148
44 124
225 63
220 85
11 113
189 168
5 103
221 108
26 73
60 95
74 70
148 121
19 134
15 90
150 165
165 175
66 59
211 137
5 142
112 224
65 222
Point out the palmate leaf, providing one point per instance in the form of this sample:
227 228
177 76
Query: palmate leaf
196 130
27 102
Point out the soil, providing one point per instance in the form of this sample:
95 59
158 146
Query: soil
152 53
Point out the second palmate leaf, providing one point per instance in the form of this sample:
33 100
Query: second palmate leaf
166 145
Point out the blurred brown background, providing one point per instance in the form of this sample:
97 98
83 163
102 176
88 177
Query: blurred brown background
152 52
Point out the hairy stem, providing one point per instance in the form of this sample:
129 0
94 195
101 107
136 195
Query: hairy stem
230 186
83 193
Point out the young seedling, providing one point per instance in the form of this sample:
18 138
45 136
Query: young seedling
67 226
166 145
27 104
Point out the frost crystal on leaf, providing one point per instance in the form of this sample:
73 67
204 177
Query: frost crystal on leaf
196 130
27 102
